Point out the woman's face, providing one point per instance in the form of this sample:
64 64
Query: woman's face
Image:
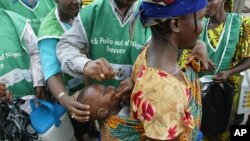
190 29
70 7
213 7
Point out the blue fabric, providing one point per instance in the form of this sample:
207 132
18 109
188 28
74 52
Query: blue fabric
175 9
49 61
200 136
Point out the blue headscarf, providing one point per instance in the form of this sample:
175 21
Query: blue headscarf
156 11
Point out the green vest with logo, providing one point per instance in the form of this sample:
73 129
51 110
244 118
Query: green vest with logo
14 58
110 39
222 55
52 27
36 14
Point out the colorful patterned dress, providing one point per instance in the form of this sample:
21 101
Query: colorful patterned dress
166 107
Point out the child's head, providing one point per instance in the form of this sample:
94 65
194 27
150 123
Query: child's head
69 7
178 21
100 99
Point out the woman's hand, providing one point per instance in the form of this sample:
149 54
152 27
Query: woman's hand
99 69
77 110
124 90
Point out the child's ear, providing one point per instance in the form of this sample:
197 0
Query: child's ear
174 24
102 112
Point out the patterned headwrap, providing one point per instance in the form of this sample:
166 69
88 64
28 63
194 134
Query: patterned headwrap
156 11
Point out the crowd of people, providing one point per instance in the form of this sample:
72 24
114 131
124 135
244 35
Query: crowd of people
132 65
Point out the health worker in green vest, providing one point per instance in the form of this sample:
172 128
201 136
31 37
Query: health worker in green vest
20 68
103 32
35 10
58 21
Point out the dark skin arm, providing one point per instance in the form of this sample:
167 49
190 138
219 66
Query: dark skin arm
224 75
79 110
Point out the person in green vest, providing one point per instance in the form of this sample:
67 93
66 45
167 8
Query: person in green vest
35 10
227 39
104 42
20 68
61 86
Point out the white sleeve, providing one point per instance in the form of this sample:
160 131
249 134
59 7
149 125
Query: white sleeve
69 50
32 47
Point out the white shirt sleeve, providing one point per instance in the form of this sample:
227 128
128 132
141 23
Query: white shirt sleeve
32 47
69 50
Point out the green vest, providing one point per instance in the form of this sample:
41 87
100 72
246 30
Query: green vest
36 15
14 58
110 39
222 55
52 27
